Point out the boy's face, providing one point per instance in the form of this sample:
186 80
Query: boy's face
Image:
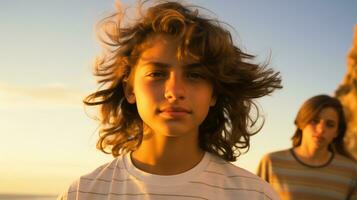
321 131
172 95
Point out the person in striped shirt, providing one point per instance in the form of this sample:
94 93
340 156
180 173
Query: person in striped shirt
318 166
175 100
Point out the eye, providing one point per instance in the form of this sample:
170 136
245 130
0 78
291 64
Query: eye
195 75
330 124
315 121
157 74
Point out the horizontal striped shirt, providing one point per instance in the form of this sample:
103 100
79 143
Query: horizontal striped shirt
292 179
212 178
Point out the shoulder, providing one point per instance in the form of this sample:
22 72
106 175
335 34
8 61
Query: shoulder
342 159
105 171
273 162
227 169
345 163
278 155
234 177
98 179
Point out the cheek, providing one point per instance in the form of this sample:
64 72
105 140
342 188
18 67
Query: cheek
334 132
144 103
203 100
308 129
146 94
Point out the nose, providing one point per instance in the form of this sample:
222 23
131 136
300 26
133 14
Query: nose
174 87
320 127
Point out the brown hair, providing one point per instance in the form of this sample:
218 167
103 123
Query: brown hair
310 110
236 80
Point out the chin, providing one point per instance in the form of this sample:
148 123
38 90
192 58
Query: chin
174 131
320 146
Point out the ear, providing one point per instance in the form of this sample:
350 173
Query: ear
129 93
213 101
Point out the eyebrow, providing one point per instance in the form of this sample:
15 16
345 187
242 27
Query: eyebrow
165 65
328 120
331 120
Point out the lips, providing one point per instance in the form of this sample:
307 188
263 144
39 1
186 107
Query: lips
174 112
319 138
175 109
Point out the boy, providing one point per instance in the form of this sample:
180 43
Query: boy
175 100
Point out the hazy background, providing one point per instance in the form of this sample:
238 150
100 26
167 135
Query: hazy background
47 48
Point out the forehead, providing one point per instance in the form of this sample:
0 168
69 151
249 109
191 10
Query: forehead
164 48
328 114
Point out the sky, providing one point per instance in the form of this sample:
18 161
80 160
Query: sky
47 49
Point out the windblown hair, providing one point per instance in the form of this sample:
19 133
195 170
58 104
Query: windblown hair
310 111
236 80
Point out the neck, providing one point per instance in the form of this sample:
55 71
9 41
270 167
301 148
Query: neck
312 156
164 155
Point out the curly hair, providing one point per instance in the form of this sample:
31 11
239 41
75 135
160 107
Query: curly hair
310 110
235 78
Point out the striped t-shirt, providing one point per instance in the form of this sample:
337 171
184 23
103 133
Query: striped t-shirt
213 178
292 179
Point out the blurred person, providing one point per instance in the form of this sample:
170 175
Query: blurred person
317 166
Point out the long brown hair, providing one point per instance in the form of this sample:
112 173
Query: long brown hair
310 110
235 79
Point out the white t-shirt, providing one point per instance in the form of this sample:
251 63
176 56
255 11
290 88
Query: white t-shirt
212 178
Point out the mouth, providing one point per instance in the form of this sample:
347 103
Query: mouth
319 138
175 111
